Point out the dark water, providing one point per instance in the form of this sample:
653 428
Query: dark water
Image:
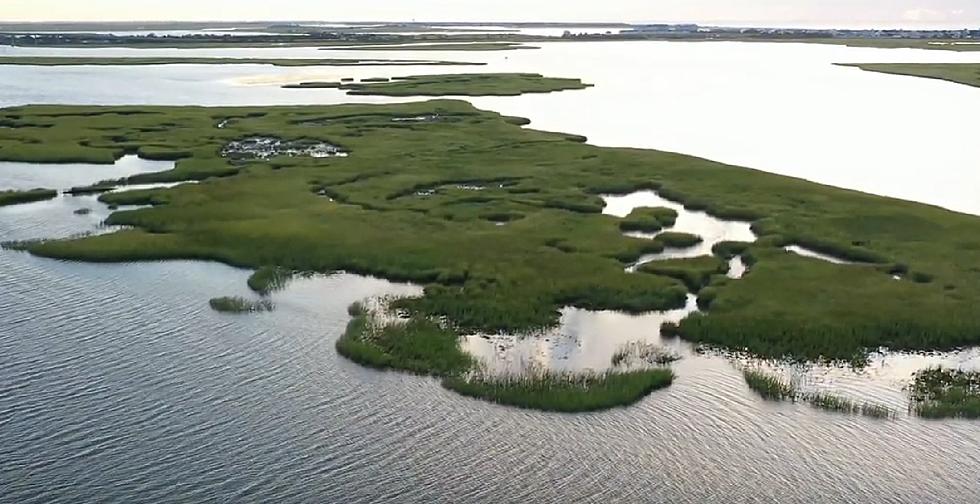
119 384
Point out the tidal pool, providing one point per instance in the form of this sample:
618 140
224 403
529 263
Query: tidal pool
712 230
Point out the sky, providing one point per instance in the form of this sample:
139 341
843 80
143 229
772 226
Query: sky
841 13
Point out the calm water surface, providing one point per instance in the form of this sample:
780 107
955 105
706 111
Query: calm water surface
782 108
119 384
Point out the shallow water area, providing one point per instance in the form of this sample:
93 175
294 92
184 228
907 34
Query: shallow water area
584 341
62 176
712 230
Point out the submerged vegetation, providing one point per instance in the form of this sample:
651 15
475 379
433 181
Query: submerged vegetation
479 84
960 73
29 196
775 388
643 353
943 393
840 404
424 186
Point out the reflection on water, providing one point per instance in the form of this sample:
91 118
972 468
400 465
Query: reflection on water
805 252
16 175
583 341
712 230
586 340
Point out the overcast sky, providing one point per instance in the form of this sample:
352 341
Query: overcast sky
954 13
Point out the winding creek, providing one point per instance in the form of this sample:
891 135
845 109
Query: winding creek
118 383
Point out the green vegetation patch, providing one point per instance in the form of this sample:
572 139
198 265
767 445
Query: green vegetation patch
695 272
552 391
267 279
649 220
488 84
674 239
29 196
420 200
961 73
944 393
418 345
240 305
769 386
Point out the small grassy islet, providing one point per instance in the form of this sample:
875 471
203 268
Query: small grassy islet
649 220
477 84
240 305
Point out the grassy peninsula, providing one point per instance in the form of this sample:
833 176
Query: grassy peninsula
960 73
425 346
29 196
478 84
141 61
425 201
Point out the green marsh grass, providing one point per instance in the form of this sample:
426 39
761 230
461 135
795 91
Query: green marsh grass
29 196
649 220
417 345
563 392
486 84
770 386
833 402
674 239
268 279
234 304
517 277
960 73
695 272
945 393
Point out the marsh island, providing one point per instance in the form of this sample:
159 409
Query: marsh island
504 225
